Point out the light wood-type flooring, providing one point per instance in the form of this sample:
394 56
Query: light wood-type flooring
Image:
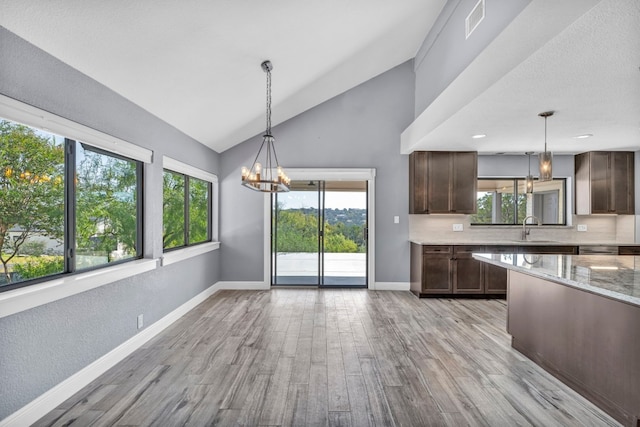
297 357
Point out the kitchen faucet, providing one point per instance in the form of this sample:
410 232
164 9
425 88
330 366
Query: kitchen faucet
525 231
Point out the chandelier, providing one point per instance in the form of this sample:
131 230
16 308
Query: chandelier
266 174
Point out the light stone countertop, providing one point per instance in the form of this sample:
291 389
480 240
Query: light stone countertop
506 242
612 276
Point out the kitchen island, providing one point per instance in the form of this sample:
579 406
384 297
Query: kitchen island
578 316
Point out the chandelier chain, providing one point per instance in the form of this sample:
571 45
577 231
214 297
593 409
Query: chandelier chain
268 102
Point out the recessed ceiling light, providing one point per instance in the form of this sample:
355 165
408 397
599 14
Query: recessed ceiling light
478 136
586 135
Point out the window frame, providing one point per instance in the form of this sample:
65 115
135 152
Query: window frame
179 253
49 289
515 181
69 240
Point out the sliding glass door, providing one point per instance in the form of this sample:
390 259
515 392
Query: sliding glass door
319 234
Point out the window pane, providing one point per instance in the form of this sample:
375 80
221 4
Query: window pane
496 204
31 203
173 210
106 208
198 211
546 203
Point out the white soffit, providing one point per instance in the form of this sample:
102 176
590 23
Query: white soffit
579 58
196 64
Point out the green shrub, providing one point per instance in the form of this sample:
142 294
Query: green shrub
39 267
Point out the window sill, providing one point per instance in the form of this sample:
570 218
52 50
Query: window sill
186 253
28 297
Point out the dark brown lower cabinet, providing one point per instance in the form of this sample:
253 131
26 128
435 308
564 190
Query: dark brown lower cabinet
443 270
451 270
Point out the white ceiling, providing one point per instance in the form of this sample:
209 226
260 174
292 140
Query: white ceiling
196 64
588 72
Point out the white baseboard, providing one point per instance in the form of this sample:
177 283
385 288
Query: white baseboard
391 286
49 400
244 285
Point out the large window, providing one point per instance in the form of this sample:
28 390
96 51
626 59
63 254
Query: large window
64 206
504 201
186 210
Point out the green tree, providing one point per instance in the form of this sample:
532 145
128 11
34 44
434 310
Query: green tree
173 210
198 210
31 188
106 205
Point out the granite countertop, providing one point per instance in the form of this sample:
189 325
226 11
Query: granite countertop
613 276
517 243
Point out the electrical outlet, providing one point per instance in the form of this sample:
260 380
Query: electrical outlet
458 227
396 219
140 321
582 227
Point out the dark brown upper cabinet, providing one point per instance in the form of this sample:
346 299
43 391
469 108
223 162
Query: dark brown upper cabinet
605 183
443 182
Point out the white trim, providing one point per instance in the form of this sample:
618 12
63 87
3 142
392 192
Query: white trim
184 168
178 255
31 296
254 286
391 286
49 400
328 174
267 240
31 116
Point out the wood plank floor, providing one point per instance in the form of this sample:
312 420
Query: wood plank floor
296 357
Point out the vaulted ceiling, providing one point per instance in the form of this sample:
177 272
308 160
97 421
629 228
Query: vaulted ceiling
196 65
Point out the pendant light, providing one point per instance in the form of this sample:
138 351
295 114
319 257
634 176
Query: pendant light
266 174
528 182
546 158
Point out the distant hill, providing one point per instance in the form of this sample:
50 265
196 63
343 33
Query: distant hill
334 216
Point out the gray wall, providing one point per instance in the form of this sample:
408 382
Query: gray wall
517 165
43 346
357 129
445 52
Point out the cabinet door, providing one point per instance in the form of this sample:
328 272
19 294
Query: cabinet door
438 182
436 269
495 279
418 182
464 182
600 180
622 185
467 276
436 274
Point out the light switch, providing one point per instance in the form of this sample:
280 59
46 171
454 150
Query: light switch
458 227
582 227
396 219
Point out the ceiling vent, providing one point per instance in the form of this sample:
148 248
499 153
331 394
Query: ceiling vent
475 18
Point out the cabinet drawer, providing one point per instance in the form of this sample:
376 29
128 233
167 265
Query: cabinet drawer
444 250
468 249
629 250
500 249
561 250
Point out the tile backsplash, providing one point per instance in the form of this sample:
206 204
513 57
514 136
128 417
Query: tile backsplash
600 229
